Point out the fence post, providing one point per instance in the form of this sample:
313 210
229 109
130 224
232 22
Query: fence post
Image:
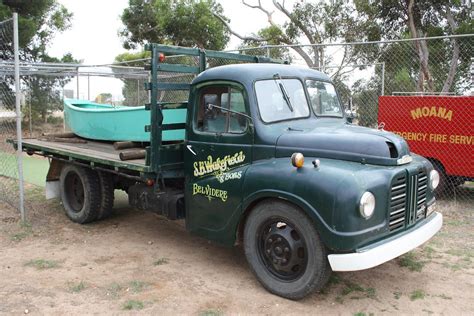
77 81
18 115
88 87
138 92
383 78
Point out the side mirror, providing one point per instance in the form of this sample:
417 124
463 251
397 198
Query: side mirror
350 115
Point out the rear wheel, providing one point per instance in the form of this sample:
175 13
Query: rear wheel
80 193
107 188
285 251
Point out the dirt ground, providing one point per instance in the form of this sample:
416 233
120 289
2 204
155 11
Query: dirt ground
137 262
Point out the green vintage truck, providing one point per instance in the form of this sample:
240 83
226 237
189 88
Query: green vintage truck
268 161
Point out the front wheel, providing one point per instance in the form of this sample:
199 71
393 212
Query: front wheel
284 250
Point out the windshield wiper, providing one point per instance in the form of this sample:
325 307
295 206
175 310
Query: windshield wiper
285 95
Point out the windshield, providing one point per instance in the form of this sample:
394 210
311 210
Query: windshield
281 99
323 97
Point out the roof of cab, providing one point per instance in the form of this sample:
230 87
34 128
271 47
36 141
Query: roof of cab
248 73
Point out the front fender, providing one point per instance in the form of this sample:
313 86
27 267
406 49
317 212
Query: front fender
329 195
314 190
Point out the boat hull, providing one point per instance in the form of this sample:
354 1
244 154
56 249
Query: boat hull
120 123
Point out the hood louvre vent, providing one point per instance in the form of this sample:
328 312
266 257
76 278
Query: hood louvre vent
392 149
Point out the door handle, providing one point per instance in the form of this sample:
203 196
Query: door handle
191 149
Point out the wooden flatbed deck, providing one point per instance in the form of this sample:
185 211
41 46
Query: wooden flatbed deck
94 151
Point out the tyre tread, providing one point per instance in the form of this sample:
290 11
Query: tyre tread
106 182
90 181
320 278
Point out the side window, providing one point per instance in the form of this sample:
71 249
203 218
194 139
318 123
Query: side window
237 123
212 119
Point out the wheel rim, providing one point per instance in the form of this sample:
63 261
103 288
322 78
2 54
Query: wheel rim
74 191
282 249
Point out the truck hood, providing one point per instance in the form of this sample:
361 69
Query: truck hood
345 142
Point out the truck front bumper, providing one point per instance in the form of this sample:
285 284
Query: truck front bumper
384 251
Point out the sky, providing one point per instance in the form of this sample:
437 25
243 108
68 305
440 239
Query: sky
93 36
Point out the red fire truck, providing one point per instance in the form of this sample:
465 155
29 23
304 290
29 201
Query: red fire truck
440 128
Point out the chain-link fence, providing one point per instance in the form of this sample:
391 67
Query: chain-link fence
421 89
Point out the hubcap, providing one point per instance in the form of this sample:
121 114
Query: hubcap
283 249
74 192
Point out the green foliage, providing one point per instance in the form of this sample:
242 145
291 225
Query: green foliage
137 286
317 22
20 236
26 230
39 21
160 261
357 291
417 295
365 101
411 262
273 35
42 264
76 287
210 312
114 290
133 305
188 23
44 92
133 89
430 18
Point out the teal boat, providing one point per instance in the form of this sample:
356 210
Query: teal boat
117 123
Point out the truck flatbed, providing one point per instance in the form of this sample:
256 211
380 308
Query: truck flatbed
94 151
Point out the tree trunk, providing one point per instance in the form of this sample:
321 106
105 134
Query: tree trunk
422 51
453 67
454 59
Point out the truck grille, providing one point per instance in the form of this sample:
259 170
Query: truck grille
419 185
407 200
398 201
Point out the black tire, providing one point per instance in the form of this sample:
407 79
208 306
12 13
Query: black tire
80 193
276 231
107 187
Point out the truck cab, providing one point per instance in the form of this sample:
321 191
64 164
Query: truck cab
269 161
361 189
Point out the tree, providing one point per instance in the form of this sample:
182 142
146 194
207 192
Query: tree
424 18
365 101
44 91
133 89
188 23
39 21
312 23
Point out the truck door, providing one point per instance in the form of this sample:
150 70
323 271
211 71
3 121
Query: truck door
217 154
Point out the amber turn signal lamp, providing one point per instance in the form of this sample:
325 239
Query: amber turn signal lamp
161 57
297 160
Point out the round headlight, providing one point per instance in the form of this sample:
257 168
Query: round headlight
434 179
297 160
367 205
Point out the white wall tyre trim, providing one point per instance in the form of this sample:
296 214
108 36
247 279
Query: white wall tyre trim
370 257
